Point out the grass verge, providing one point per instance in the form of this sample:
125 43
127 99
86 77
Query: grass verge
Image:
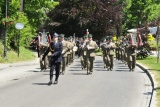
12 55
151 63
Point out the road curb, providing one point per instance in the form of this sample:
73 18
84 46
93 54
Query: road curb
146 70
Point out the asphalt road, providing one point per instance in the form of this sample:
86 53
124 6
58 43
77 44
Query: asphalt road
117 88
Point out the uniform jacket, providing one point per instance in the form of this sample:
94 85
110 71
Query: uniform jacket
112 47
56 50
93 45
72 44
65 48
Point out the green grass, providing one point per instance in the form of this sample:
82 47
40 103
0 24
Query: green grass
12 55
151 63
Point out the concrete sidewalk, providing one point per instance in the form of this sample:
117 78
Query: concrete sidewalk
9 72
32 62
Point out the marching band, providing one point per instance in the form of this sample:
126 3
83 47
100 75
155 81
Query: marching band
59 56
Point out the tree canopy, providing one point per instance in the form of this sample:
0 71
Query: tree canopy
33 17
101 17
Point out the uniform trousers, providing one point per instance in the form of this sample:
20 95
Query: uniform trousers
64 59
111 60
90 63
55 67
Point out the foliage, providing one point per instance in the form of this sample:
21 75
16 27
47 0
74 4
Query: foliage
13 57
33 17
36 11
75 16
138 13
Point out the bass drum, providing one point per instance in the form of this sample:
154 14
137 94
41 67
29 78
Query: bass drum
75 48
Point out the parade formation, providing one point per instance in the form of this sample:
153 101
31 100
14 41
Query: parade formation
58 51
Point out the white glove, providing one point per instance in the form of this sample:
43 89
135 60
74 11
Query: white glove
63 52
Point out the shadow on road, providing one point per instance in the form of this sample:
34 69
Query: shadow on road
98 62
79 73
148 93
75 67
40 84
118 70
75 70
100 69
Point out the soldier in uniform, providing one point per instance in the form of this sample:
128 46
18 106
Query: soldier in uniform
68 52
118 53
124 44
56 57
111 46
73 51
64 53
91 46
103 47
84 52
71 45
131 55
81 52
42 48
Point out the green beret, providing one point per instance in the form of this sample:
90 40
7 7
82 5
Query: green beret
70 37
65 38
62 35
90 35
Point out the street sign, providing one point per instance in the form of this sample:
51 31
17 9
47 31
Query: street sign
19 26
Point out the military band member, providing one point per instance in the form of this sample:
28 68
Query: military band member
124 50
56 58
71 45
118 52
111 46
73 51
91 46
68 53
64 53
103 47
42 48
81 52
131 57
84 52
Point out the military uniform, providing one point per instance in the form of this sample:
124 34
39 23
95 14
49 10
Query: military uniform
64 53
73 52
71 45
111 46
124 50
68 53
118 52
81 53
42 47
84 52
103 45
56 58
91 46
131 57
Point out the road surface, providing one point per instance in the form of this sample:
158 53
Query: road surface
25 86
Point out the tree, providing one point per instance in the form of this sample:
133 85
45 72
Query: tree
32 17
101 17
